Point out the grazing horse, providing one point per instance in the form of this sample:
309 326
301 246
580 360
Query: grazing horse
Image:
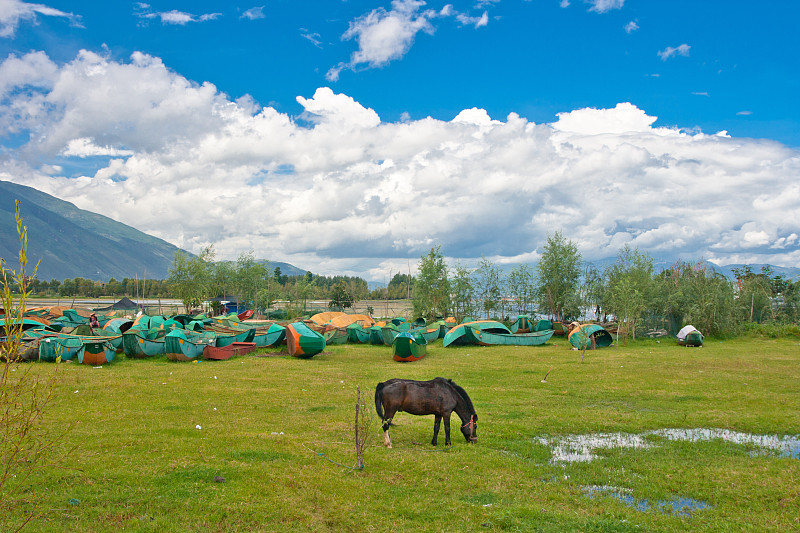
439 397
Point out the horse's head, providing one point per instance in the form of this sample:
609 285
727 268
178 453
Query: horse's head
470 429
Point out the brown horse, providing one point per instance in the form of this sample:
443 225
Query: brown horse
438 397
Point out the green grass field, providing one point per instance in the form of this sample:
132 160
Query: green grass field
134 458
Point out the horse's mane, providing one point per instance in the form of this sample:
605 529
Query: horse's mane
464 396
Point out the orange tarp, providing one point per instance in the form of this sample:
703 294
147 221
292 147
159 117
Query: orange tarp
345 320
324 318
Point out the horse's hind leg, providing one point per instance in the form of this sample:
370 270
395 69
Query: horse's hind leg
387 420
436 423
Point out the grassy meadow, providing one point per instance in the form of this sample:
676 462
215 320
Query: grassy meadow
279 430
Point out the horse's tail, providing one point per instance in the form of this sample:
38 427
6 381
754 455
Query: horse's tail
379 399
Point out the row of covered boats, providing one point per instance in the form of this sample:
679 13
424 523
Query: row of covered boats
52 334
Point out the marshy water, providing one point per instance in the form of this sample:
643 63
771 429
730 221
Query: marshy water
582 448
676 506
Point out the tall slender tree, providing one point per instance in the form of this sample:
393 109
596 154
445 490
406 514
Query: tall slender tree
558 274
432 287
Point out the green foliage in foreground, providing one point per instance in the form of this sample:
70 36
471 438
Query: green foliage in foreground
140 463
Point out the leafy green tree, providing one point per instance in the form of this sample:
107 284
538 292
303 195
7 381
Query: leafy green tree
521 288
340 297
248 277
558 274
463 292
190 277
432 288
630 288
692 293
489 287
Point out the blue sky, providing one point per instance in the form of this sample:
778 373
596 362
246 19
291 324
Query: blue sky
634 104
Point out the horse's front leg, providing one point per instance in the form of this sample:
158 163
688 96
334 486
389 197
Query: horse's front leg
447 429
436 422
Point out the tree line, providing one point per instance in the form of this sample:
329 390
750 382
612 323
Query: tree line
630 292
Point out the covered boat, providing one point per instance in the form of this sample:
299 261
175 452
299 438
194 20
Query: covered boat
408 347
523 324
97 350
303 341
690 336
467 332
357 334
138 344
589 336
184 345
335 335
62 347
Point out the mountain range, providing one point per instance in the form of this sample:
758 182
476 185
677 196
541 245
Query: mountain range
72 242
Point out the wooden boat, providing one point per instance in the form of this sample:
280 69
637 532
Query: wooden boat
245 315
185 345
357 334
335 336
466 333
559 328
543 325
271 336
97 350
233 335
590 336
302 341
230 350
407 346
689 336
61 347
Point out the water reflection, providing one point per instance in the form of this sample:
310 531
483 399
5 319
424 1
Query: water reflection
582 448
676 506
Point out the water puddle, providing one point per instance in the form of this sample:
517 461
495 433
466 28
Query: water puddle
677 506
583 448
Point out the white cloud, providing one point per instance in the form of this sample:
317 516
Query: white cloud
12 12
680 50
174 17
631 27
347 192
744 113
254 13
385 36
603 6
564 3
477 22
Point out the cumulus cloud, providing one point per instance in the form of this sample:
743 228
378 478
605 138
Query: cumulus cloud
344 191
631 27
680 50
384 36
12 12
173 17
